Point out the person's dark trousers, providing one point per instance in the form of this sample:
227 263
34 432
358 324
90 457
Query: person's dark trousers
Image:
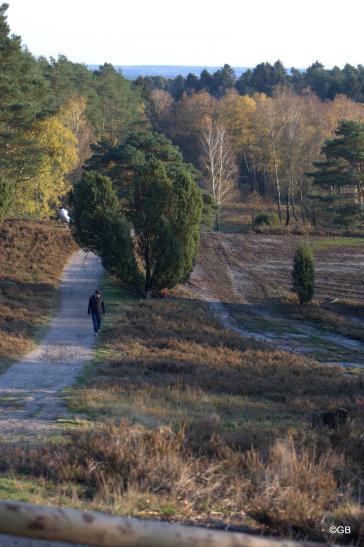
96 319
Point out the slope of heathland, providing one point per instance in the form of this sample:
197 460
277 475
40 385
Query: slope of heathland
181 419
33 254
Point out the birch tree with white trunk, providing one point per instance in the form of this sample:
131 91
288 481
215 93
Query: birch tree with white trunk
219 164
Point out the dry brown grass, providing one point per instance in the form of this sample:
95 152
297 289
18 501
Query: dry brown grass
239 416
33 254
242 206
169 360
239 211
294 490
294 487
218 429
119 463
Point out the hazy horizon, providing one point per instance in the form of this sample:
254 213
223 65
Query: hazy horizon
131 72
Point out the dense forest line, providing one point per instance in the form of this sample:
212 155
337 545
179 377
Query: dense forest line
325 83
268 131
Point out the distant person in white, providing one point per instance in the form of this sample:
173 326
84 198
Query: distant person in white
63 215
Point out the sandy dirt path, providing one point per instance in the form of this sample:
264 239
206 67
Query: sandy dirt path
31 390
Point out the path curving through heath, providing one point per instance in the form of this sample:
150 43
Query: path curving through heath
31 389
238 274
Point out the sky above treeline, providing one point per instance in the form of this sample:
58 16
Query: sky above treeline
193 32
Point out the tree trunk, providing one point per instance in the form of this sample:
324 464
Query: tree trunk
314 219
288 215
279 204
217 222
264 189
293 208
248 171
302 207
99 529
148 276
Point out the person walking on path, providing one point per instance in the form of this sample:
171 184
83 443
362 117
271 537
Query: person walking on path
96 308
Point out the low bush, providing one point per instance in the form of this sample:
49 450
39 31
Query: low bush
266 219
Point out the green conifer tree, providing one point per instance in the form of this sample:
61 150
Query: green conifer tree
24 96
303 274
100 226
161 200
340 177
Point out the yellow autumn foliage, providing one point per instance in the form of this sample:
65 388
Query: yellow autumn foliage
236 113
40 194
72 115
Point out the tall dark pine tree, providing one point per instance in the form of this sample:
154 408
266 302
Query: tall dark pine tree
342 173
223 80
352 82
119 106
67 79
296 79
205 80
262 78
344 165
244 83
177 87
316 78
24 95
279 74
192 83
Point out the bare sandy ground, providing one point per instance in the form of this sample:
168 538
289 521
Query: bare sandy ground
31 390
241 272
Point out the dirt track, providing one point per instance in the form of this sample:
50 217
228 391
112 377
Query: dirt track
30 390
244 277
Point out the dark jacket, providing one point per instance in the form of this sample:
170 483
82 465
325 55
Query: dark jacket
96 305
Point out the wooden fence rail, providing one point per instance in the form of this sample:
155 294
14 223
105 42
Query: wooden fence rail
97 529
